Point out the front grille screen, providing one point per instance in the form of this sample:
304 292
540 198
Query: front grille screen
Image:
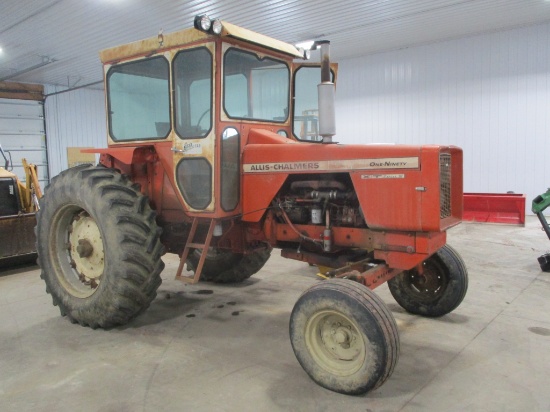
445 184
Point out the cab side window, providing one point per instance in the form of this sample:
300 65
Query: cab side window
193 93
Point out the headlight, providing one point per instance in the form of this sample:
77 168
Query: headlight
216 26
203 22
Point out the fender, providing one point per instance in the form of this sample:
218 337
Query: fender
127 155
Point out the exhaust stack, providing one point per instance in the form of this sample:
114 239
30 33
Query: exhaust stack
327 118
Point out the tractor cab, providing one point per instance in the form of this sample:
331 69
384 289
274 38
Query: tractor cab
199 96
10 201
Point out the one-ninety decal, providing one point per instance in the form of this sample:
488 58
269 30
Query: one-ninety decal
387 176
192 148
332 165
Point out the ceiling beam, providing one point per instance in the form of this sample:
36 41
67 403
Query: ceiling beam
10 90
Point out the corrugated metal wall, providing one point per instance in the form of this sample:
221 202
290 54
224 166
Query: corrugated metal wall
73 119
488 94
22 136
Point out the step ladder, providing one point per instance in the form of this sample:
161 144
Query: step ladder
192 244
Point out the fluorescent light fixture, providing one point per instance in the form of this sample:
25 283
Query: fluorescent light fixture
1 50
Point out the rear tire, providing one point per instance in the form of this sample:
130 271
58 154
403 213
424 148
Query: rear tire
227 267
438 291
98 247
344 337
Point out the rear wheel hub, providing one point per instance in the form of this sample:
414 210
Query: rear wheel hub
86 249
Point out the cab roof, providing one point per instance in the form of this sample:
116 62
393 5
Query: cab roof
183 37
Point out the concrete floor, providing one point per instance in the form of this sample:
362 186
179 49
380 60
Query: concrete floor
226 348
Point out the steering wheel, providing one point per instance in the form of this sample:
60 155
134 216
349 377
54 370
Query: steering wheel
201 117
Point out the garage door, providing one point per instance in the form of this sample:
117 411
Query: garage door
22 135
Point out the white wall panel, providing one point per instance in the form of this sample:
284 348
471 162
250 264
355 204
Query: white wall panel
73 119
22 136
489 94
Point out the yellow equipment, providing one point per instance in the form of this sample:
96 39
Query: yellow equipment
18 207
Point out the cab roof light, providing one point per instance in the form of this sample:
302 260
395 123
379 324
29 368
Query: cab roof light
217 26
204 23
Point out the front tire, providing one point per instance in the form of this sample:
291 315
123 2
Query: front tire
98 247
344 336
437 291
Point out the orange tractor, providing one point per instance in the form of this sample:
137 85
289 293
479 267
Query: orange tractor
220 149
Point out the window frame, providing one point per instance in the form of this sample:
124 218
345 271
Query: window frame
238 170
110 72
174 84
266 57
181 186
305 66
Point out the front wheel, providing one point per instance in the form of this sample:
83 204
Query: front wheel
98 246
438 290
344 337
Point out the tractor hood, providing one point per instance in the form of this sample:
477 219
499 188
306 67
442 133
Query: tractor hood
399 187
263 147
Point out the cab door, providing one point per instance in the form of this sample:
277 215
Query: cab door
194 136
305 116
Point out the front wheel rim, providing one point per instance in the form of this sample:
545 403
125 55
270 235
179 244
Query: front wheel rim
335 343
429 285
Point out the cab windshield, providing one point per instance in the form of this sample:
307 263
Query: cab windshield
255 88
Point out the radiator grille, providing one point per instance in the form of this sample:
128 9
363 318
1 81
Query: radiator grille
445 184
